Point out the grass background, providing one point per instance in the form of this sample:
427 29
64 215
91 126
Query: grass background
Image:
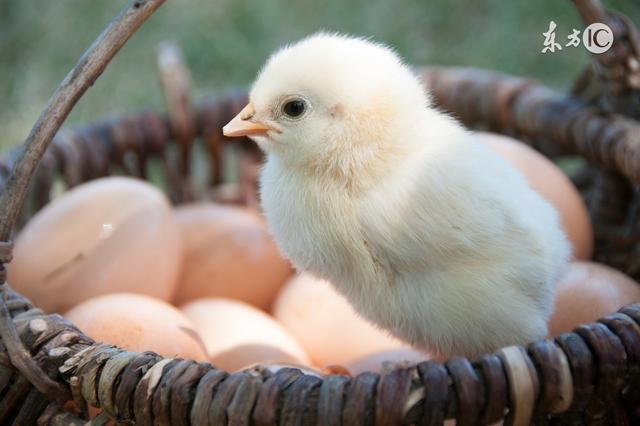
225 42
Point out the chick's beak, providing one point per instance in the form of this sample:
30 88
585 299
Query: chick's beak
243 125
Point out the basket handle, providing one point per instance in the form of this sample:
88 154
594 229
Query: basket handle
593 11
616 71
80 78
90 66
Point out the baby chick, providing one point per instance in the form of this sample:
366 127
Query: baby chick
427 233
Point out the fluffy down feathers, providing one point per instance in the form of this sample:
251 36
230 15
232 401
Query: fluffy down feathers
430 235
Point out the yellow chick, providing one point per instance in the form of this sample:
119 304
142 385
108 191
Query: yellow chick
427 233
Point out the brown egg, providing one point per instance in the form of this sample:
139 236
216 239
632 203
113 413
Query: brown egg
325 323
588 291
379 362
228 253
109 235
238 335
553 185
139 323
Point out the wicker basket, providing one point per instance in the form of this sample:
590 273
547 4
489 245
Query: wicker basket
50 371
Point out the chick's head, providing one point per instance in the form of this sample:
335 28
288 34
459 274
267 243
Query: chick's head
331 103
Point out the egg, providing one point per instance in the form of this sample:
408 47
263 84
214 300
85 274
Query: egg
326 324
552 185
138 323
238 335
588 291
228 253
379 362
106 236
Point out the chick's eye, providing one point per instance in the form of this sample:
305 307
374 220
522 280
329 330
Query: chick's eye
294 108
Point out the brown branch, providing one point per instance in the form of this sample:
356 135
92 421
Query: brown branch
591 11
176 84
80 78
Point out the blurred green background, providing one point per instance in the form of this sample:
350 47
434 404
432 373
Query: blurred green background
225 42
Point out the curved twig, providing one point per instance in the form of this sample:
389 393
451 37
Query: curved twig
80 78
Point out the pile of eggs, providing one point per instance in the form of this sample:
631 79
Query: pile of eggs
205 281
201 281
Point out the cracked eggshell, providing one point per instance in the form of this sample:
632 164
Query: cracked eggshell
109 235
139 323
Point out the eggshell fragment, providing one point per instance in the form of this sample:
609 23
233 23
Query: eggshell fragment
379 362
553 185
138 323
109 235
326 324
238 335
589 291
228 253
